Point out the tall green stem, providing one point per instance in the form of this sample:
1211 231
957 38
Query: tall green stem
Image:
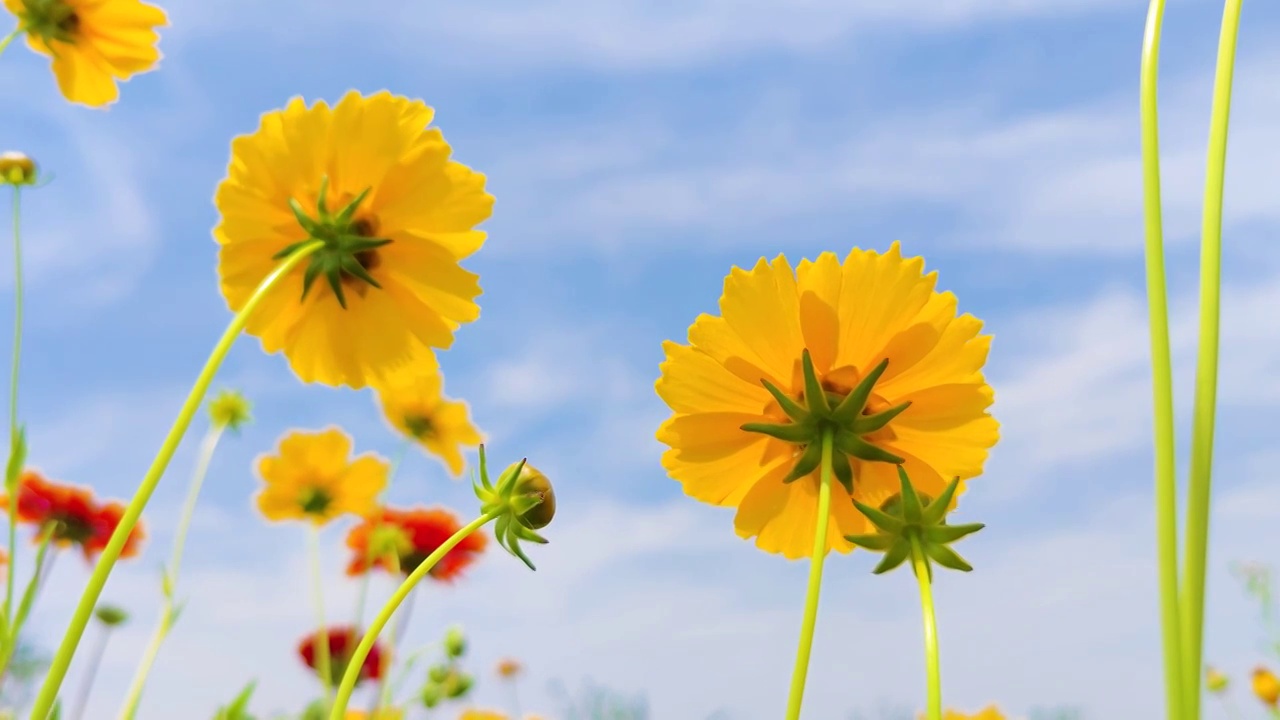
1200 482
932 671
369 550
1166 481
84 609
352 673
320 643
810 622
168 610
13 397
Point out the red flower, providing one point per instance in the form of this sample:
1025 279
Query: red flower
413 535
71 514
342 643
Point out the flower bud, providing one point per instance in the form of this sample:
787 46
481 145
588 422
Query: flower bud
455 643
458 685
533 484
438 674
229 409
1215 681
110 615
17 169
431 696
1266 686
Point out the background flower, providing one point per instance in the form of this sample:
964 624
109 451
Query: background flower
342 643
312 478
414 534
72 514
412 399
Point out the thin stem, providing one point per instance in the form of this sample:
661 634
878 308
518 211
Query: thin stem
363 595
810 621
515 697
89 599
320 643
168 613
921 567
9 38
1200 482
383 697
13 384
1166 481
28 599
91 672
339 708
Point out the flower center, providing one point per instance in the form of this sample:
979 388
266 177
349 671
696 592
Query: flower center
349 252
419 426
315 501
49 20
71 528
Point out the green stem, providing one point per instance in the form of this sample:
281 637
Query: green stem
810 621
1200 482
28 600
13 388
86 685
4 43
363 595
394 641
932 671
320 643
1166 481
88 600
170 583
348 685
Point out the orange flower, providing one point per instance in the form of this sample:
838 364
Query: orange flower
72 515
411 535
342 643
509 667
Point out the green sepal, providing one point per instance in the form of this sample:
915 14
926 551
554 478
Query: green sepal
843 471
501 498
946 557
814 395
870 423
17 459
809 461
912 510
937 509
950 533
875 541
863 450
897 553
882 520
851 407
793 433
793 409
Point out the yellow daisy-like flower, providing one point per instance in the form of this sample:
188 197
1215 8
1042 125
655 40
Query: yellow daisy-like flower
880 336
482 715
413 401
396 216
312 478
383 714
93 43
990 713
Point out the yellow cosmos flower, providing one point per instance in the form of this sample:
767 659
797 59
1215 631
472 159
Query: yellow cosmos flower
990 713
93 43
383 714
482 715
395 214
852 318
413 401
1266 687
312 478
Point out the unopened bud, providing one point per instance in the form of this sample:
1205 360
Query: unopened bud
455 643
17 169
229 409
1215 681
431 696
533 484
110 615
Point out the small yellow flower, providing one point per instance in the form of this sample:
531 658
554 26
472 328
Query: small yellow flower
1266 686
16 169
395 214
990 713
482 715
884 349
509 667
311 478
93 43
413 401
1215 681
383 714
229 409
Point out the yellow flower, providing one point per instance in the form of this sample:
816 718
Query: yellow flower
851 318
16 169
990 713
396 215
1215 682
383 714
93 43
311 478
1266 686
229 409
413 401
481 715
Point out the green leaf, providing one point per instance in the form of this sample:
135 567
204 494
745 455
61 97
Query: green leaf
17 458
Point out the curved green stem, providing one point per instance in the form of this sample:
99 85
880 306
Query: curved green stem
89 599
168 612
1201 472
363 595
43 561
394 640
13 394
933 673
4 43
320 643
352 673
1166 481
810 621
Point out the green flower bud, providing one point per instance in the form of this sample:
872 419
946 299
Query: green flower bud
438 674
17 169
431 696
913 525
522 501
455 643
110 615
229 409
458 685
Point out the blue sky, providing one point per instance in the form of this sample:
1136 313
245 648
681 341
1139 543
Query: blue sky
637 151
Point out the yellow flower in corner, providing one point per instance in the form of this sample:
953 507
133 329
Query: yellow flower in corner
878 334
395 215
93 43
312 478
1266 687
413 401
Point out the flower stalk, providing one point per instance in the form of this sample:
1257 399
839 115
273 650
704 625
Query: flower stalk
920 564
61 662
320 643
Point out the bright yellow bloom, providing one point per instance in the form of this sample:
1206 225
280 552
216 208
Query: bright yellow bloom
1266 686
990 713
413 401
383 714
93 43
311 478
395 213
481 715
850 317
